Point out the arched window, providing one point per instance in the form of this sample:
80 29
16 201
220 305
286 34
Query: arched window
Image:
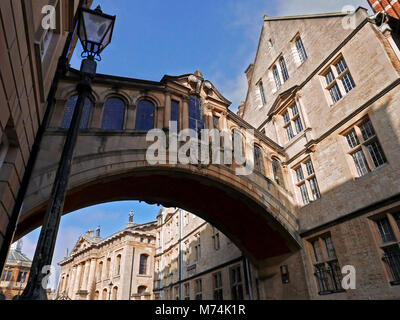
237 146
96 295
143 264
141 289
113 114
108 265
115 293
259 160
118 265
69 111
196 119
277 170
100 271
145 116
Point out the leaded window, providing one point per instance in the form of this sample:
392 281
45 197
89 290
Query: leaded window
113 114
236 283
385 230
301 50
217 283
291 118
69 111
285 73
307 184
365 148
338 80
145 116
259 160
327 271
277 171
196 119
262 93
175 113
198 289
143 264
276 77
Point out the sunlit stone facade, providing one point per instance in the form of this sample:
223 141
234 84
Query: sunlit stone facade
119 267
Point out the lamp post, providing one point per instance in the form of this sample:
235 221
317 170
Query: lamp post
110 285
95 32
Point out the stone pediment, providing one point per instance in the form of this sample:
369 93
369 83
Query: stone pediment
196 84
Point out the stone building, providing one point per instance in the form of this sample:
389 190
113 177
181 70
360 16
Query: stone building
28 60
195 261
15 274
119 267
325 88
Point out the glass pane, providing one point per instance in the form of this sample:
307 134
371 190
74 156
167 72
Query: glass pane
295 110
317 251
175 112
196 121
277 78
258 160
299 174
285 73
335 93
330 250
145 116
329 77
367 130
262 93
113 114
289 132
315 189
392 258
352 139
397 218
301 50
310 168
341 66
69 111
286 117
304 194
361 163
96 26
216 122
348 82
385 230
376 154
299 125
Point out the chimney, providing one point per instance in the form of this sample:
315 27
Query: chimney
392 8
240 112
249 72
90 233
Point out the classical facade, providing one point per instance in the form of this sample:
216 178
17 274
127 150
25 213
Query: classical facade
325 88
119 267
15 273
28 59
195 261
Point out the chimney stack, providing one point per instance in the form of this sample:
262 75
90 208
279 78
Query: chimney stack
249 72
392 8
240 112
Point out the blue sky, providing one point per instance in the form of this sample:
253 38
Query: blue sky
157 37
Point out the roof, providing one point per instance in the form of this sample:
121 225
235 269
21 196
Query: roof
312 16
16 256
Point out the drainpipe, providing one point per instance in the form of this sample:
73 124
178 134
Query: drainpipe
61 70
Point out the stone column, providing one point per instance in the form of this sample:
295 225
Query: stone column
130 117
85 275
97 114
71 282
58 113
77 280
167 110
91 280
185 113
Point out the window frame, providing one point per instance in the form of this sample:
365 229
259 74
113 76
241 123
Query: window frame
304 185
362 148
291 121
334 84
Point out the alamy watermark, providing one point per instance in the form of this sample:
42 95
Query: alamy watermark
202 147
49 21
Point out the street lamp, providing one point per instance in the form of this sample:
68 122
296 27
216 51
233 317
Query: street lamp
95 32
110 285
